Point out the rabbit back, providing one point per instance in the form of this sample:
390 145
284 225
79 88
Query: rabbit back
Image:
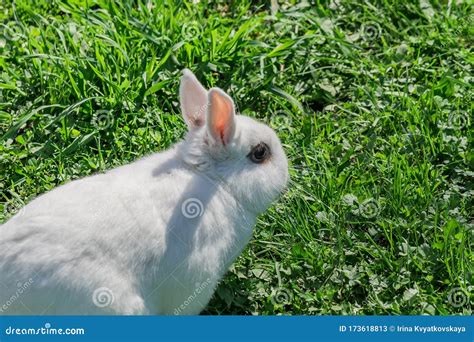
149 234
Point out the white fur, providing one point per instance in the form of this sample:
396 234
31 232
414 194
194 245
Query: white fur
124 242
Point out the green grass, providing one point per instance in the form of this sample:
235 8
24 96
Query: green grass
372 101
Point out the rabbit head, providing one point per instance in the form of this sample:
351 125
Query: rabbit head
236 150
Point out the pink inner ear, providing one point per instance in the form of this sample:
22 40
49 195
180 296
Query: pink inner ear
221 117
222 134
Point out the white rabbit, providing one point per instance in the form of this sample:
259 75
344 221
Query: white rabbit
151 237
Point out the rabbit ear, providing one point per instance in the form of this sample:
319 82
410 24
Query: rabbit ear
220 116
193 99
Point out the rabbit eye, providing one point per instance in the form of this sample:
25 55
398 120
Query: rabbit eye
259 153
